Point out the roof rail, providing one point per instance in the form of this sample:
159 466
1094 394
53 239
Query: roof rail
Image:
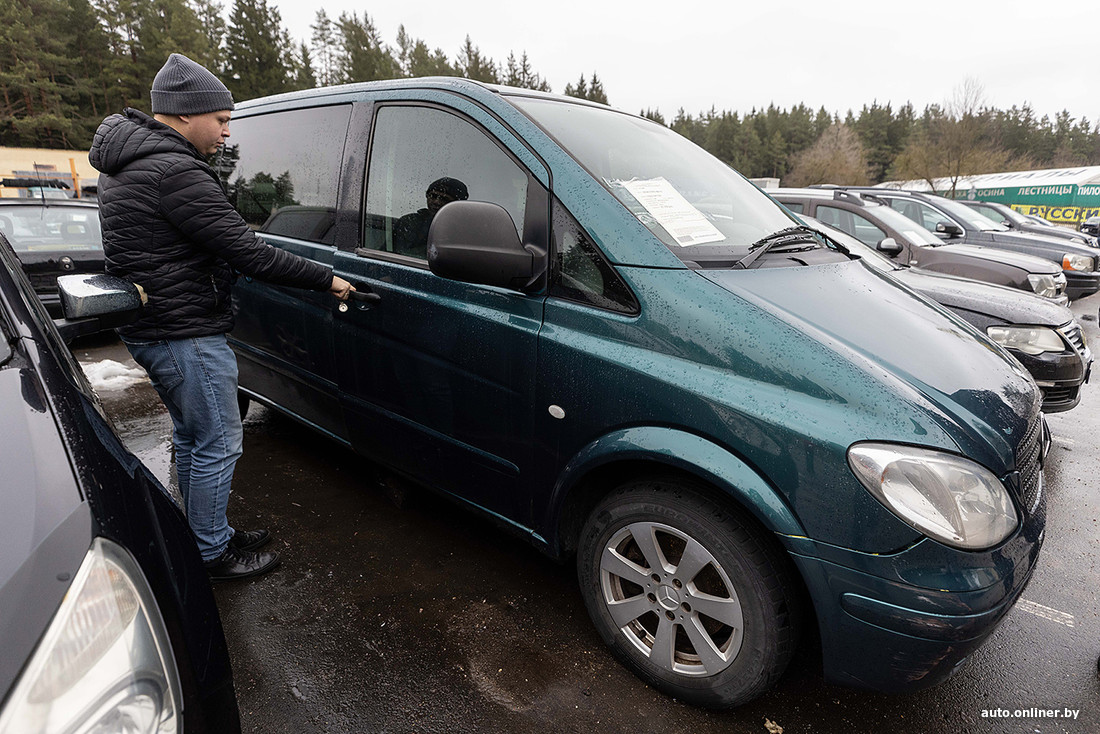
852 197
874 190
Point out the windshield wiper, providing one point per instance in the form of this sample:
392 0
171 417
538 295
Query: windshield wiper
799 233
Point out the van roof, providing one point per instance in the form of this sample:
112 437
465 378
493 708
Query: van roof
459 85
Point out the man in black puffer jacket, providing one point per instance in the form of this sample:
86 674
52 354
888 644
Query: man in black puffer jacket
168 226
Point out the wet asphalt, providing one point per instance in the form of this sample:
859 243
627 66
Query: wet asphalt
396 611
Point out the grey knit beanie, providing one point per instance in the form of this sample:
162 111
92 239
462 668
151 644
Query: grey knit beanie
182 87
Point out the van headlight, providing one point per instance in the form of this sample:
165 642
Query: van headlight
948 498
1083 263
1044 284
105 663
1027 339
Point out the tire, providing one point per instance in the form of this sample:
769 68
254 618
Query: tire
691 595
243 401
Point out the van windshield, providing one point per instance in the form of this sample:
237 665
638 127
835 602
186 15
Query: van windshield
699 207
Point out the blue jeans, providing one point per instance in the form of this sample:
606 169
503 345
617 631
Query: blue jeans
197 380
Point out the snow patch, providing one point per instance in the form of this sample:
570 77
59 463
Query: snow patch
112 375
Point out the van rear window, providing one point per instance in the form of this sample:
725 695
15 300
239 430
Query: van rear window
281 170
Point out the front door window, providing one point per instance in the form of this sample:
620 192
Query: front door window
422 159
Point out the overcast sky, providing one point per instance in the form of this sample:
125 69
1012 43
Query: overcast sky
738 55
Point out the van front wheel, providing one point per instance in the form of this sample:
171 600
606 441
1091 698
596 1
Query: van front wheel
694 597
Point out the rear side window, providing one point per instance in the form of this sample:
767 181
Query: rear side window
994 214
854 224
422 159
922 214
282 170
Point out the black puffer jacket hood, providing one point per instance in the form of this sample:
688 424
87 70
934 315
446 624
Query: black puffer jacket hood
121 140
168 226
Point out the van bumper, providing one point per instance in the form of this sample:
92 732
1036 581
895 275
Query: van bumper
887 635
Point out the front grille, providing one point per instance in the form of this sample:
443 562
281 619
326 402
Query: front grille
1072 333
1059 395
1029 464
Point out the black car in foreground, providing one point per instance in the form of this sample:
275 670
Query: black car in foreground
872 221
1043 336
953 222
107 618
1005 215
53 237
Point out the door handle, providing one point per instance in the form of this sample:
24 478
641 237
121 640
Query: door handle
364 295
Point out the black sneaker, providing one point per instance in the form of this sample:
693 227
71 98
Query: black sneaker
235 564
249 540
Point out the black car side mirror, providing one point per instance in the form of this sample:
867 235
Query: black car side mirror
93 302
476 242
949 229
889 247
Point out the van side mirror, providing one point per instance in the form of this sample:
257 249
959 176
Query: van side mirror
949 229
889 247
93 302
476 242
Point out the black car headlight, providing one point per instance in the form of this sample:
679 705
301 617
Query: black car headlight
1027 339
949 498
105 663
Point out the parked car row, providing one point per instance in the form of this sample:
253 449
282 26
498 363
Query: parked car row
870 219
1007 216
1043 335
953 221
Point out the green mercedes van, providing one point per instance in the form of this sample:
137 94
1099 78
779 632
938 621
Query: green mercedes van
581 325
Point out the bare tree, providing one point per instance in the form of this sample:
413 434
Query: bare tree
837 157
954 142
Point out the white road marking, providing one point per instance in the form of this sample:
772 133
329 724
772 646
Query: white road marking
1046 613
